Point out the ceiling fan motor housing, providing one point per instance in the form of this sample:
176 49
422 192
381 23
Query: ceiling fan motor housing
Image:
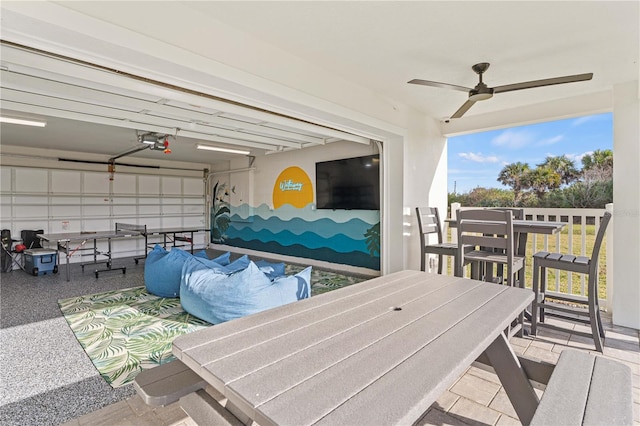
480 93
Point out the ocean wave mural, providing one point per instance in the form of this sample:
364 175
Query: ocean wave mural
324 227
349 237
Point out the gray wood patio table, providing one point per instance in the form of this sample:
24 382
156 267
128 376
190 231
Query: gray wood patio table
378 352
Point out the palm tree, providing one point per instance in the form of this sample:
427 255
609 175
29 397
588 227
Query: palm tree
599 157
373 239
543 179
220 212
515 176
564 167
599 163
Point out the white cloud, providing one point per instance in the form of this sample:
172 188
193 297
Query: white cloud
581 120
550 141
513 139
479 157
578 157
520 139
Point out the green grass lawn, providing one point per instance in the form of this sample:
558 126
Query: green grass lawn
564 243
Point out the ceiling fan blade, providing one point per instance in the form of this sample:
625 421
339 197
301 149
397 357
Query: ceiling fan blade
464 108
441 85
545 82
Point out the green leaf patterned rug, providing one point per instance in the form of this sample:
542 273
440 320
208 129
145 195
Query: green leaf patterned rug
126 331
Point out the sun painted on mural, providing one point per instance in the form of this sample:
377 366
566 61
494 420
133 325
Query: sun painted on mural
294 187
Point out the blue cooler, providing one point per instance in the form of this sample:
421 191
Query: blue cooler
40 261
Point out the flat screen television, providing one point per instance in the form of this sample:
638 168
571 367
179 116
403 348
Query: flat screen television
349 184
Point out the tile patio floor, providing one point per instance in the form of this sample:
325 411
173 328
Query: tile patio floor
476 398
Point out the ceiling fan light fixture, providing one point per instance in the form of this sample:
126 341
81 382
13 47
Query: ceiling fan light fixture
480 95
227 150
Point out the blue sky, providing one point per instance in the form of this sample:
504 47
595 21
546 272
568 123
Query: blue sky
476 159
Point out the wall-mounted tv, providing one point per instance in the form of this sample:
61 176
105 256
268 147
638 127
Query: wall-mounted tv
349 184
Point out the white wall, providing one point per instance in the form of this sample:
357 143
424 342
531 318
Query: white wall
425 182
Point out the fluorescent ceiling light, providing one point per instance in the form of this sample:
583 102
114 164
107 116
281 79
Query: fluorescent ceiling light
215 148
23 122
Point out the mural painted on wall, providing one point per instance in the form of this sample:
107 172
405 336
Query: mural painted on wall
220 212
294 227
294 187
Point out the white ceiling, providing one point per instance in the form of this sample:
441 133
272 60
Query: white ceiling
378 45
382 45
92 109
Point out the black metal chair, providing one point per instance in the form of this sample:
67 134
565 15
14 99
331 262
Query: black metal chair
9 255
30 239
579 309
429 224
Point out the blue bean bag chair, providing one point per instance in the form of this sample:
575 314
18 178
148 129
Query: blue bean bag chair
202 254
223 259
298 286
223 268
217 296
163 270
272 270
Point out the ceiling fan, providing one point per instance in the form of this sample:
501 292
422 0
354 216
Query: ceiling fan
482 92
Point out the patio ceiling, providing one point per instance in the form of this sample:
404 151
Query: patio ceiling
382 45
376 45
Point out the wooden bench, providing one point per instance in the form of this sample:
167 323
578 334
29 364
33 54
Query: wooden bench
167 383
174 381
586 390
